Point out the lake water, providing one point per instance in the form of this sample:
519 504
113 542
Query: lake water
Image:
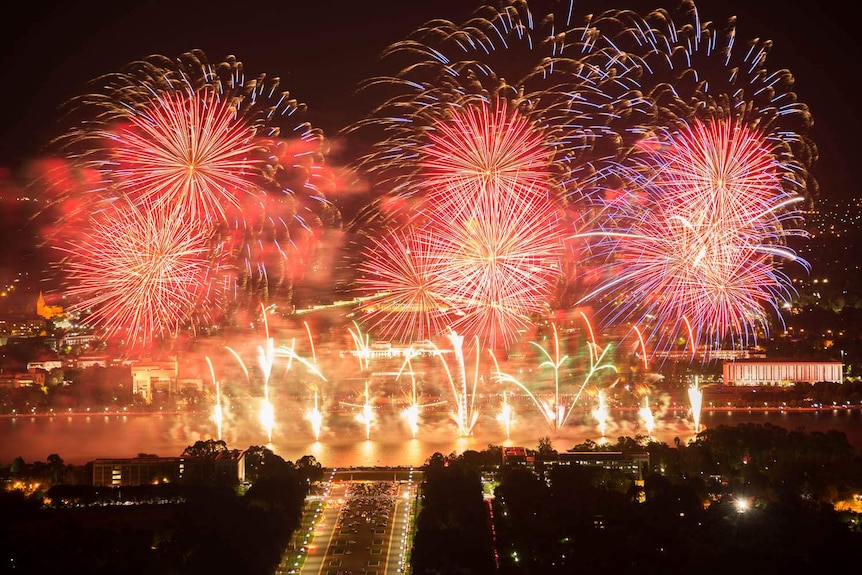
82 438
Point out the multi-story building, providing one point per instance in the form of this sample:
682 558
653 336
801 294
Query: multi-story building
226 468
79 339
631 464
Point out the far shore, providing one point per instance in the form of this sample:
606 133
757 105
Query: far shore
670 408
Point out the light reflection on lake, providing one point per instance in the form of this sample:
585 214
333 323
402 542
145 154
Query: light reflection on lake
82 438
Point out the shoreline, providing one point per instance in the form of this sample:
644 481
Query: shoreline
664 409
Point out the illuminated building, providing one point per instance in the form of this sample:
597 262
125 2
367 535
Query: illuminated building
781 372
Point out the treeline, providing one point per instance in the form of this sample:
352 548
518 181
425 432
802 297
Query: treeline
799 395
749 498
159 528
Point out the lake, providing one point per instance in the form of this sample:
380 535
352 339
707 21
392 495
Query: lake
82 438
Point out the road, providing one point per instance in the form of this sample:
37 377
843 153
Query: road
364 528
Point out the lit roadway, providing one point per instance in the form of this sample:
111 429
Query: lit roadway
365 526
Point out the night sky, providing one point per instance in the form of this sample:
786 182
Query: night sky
321 49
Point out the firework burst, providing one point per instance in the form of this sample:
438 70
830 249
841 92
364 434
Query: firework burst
483 269
691 225
484 150
186 150
485 165
403 270
139 274
699 238
501 263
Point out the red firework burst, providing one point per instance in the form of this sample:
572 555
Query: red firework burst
483 270
138 272
502 263
188 151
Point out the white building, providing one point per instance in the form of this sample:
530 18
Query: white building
46 364
781 372
154 377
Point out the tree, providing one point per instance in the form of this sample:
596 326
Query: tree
309 468
18 465
208 449
56 468
545 446
262 463
436 461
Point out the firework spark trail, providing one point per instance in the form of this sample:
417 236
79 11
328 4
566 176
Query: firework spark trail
557 410
218 416
362 346
413 412
602 413
462 416
505 416
139 272
315 417
314 414
466 415
366 415
695 396
266 358
647 415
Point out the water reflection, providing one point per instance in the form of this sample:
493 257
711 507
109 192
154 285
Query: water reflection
342 443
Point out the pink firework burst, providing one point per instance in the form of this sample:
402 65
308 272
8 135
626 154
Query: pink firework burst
139 272
186 150
501 263
486 270
702 239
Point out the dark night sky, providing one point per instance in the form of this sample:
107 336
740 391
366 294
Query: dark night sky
322 48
